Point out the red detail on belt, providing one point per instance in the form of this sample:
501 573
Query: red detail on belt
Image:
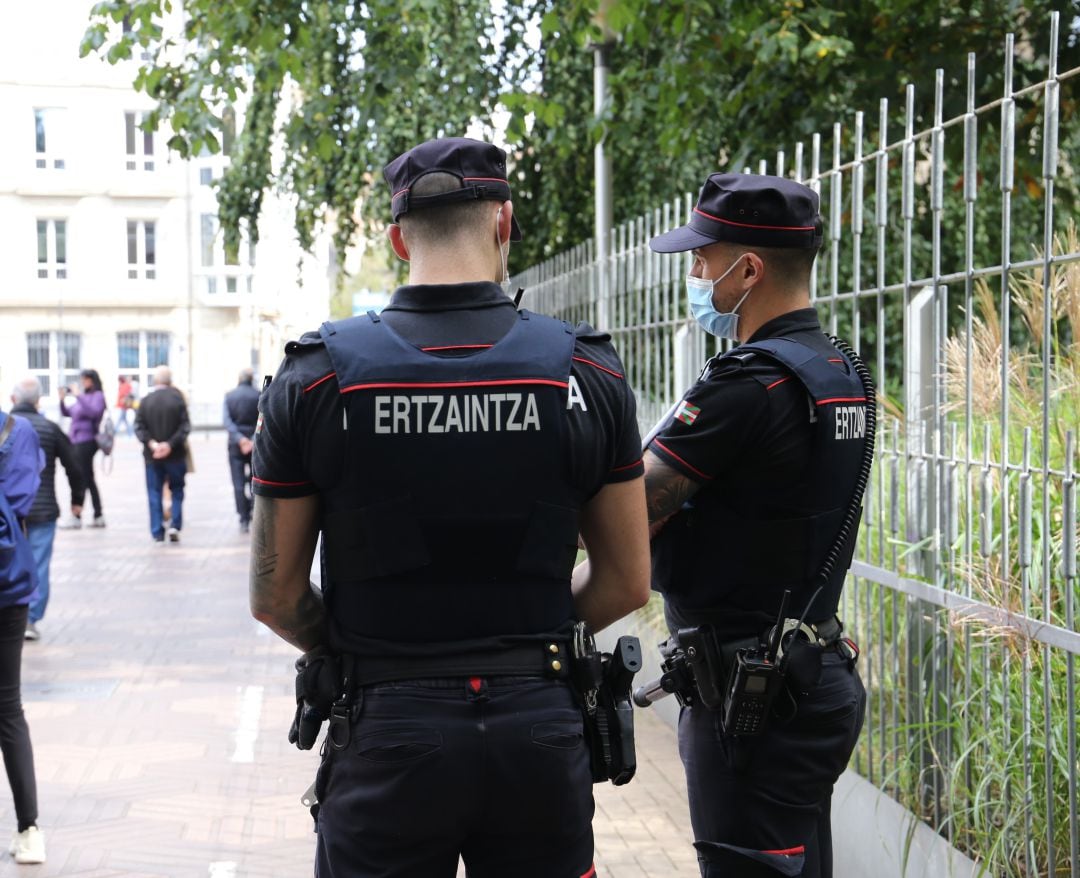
788 852
454 347
476 683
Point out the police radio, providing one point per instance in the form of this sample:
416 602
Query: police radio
753 684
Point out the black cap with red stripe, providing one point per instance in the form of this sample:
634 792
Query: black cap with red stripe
754 209
481 168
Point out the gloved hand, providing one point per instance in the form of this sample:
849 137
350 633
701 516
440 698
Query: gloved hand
318 685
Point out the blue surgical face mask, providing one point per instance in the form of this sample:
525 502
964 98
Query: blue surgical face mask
699 291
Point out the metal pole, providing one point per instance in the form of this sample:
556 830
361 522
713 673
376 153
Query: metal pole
602 165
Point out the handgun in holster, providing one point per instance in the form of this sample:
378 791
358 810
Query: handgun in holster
604 681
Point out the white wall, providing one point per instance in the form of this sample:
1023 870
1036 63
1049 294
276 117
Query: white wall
212 335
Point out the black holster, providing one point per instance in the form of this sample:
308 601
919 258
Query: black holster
603 682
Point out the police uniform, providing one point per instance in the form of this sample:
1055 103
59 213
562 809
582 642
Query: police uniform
773 435
451 439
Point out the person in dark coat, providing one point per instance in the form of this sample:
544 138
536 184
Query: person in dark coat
162 426
240 414
41 520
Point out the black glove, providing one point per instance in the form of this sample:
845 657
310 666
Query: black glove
318 685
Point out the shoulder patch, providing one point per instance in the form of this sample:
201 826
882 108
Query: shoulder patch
587 333
308 341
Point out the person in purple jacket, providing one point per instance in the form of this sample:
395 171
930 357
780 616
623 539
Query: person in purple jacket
86 414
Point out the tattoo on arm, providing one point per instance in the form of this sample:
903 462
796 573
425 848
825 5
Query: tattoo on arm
296 615
666 490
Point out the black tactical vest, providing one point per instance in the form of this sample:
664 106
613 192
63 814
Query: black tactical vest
722 555
454 518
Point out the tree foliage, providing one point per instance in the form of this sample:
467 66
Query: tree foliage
335 88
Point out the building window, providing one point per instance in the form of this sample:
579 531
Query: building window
49 138
52 248
54 358
224 271
139 144
141 249
140 352
206 176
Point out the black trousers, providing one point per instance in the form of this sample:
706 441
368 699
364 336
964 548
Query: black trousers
496 771
84 454
14 733
760 806
240 469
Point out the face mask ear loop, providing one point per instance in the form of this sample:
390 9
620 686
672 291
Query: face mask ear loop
503 253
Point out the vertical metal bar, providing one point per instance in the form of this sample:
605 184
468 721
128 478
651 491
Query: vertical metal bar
971 194
1068 565
815 183
856 230
1050 159
1008 122
1024 558
798 161
836 212
780 163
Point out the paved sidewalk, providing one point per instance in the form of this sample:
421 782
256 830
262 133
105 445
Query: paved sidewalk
158 710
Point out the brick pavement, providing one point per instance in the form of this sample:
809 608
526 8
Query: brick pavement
158 710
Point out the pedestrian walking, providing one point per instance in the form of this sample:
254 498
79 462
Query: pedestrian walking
124 403
450 449
41 519
162 425
240 414
20 475
86 413
754 485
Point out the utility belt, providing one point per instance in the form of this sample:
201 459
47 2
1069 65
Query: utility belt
744 678
329 687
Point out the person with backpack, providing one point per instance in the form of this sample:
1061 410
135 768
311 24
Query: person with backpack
21 463
86 414
41 520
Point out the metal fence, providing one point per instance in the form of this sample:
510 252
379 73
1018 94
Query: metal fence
964 589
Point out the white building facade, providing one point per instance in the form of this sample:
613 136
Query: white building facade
110 252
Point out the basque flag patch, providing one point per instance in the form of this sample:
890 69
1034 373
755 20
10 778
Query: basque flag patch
687 413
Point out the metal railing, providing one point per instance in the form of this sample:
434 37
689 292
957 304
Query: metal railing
964 291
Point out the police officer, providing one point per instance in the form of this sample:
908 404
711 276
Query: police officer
450 450
749 482
240 414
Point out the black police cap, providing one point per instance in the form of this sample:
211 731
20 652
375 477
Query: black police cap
481 168
754 209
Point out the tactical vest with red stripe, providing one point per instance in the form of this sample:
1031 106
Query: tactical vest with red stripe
723 555
455 518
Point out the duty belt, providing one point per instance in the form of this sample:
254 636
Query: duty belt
544 658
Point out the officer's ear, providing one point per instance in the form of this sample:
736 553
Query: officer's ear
398 242
753 268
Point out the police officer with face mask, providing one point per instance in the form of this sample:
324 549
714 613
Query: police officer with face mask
450 450
753 484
